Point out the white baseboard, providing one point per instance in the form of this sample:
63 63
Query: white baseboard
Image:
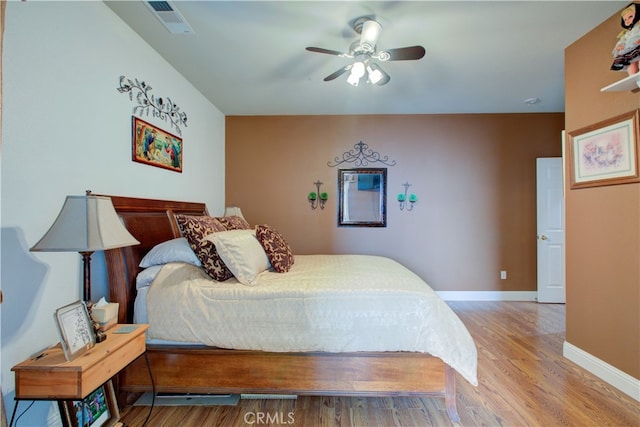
612 375
488 295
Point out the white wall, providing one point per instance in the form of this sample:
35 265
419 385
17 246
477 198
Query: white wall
67 129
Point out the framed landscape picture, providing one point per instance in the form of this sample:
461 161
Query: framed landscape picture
156 147
605 153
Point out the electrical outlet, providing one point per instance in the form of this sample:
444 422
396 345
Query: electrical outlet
503 275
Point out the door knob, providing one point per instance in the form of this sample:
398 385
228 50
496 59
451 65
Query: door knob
543 237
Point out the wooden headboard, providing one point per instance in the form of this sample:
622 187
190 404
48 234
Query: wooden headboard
151 222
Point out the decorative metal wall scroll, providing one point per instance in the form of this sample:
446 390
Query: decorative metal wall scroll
361 155
162 108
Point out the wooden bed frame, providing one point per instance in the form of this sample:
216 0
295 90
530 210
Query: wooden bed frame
202 369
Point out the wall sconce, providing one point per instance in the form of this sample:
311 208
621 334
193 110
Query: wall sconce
404 198
316 198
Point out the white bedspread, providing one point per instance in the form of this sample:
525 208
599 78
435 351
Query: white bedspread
332 303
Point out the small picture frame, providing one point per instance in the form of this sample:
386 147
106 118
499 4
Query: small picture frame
75 328
98 409
605 153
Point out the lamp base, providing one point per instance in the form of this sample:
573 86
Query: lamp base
86 261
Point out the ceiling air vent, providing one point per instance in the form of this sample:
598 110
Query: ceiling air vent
170 17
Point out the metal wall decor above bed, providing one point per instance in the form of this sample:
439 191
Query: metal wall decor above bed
162 108
361 155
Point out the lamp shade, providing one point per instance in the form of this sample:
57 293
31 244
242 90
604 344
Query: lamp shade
233 211
86 224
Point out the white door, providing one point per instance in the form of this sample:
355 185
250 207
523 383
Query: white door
550 214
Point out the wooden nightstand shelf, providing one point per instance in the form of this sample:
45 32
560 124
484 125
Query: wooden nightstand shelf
51 377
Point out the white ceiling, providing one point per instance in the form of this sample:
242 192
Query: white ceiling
249 58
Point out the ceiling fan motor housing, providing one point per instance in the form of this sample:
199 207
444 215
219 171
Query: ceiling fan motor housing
369 31
358 48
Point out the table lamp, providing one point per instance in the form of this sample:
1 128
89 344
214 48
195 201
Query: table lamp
86 224
233 211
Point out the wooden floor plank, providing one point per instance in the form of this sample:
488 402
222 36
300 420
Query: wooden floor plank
523 381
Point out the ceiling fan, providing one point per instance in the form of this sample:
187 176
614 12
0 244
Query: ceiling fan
363 51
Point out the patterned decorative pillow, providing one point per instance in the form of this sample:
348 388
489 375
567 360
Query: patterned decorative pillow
196 229
277 249
234 223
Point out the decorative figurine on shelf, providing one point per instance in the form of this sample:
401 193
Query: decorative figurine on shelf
99 334
626 53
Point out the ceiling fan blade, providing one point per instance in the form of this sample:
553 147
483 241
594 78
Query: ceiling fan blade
327 51
401 54
338 73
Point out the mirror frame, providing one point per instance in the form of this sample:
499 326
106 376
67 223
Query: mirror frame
383 197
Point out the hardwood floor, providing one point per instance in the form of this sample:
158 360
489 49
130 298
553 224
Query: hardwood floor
523 381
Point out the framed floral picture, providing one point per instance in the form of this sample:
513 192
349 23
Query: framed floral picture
605 153
156 147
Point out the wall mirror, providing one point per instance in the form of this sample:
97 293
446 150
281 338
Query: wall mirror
362 197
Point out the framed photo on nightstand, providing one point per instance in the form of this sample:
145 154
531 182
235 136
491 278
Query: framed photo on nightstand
76 329
99 409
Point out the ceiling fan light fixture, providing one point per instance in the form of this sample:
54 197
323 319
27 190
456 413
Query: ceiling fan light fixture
357 72
352 80
375 75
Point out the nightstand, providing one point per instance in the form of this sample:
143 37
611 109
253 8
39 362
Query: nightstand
49 376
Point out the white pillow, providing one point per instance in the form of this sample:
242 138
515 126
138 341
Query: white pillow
146 276
175 250
242 253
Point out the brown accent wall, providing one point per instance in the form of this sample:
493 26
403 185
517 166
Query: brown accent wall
603 223
474 176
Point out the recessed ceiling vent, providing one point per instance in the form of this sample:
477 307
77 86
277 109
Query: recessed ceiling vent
170 17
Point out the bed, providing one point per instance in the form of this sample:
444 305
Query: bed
298 369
